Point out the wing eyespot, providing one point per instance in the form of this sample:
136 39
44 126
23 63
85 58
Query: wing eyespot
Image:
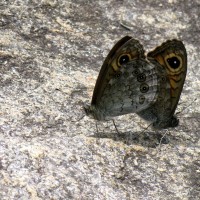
173 62
136 72
118 75
144 88
141 77
123 59
163 78
141 99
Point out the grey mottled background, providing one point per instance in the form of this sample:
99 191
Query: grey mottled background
50 54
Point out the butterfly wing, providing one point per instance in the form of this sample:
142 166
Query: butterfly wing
126 83
132 89
123 51
170 60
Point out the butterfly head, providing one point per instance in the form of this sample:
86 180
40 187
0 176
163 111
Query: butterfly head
93 112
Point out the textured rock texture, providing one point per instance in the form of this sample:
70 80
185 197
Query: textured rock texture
50 54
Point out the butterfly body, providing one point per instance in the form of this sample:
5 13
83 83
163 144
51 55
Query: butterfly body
129 82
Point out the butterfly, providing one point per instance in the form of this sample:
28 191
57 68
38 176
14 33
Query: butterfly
150 86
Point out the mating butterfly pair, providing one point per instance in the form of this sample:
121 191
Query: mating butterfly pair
130 82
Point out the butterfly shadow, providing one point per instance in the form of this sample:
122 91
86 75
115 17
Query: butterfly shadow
147 138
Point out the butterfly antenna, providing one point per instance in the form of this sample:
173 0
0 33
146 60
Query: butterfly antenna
162 138
146 128
81 118
186 107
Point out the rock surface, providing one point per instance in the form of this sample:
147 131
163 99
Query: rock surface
50 55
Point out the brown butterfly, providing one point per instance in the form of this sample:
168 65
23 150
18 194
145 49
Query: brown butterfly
150 86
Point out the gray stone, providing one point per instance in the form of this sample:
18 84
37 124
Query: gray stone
50 54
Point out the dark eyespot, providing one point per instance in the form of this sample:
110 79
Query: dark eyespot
144 88
123 59
141 77
136 72
163 78
141 99
173 62
117 75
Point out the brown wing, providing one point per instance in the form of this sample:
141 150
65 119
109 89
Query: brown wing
173 57
124 50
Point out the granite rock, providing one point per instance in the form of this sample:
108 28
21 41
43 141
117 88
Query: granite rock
50 54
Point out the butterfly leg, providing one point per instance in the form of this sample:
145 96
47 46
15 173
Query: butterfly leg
97 127
115 126
177 113
98 135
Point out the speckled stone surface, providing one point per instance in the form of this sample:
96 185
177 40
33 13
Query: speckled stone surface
50 54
